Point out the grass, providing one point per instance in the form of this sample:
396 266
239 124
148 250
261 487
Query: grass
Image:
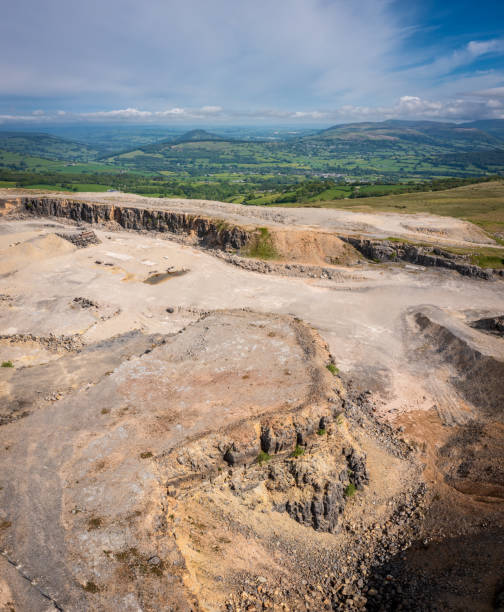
263 457
350 490
298 451
322 431
45 187
485 260
90 187
261 245
146 455
332 368
7 364
484 257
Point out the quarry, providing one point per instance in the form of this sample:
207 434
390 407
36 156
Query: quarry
206 406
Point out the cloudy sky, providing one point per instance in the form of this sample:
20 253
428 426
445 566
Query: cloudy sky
248 61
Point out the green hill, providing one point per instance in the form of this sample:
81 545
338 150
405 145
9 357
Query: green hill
395 133
45 146
495 127
198 136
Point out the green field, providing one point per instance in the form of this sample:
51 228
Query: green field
256 166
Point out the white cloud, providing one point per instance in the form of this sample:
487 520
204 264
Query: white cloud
177 112
478 104
495 92
124 113
193 60
243 53
211 110
483 47
137 114
20 118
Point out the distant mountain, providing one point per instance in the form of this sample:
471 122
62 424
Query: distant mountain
392 132
46 146
495 127
198 136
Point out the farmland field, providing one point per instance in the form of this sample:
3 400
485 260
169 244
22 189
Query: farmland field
259 167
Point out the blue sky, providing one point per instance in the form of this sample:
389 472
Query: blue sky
236 61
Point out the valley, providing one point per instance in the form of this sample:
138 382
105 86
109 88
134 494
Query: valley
256 166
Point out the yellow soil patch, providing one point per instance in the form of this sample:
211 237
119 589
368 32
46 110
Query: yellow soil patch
312 247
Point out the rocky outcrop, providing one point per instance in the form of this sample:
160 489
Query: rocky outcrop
316 487
306 461
81 239
386 250
208 232
491 325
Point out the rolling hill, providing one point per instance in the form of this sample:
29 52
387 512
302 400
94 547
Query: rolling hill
495 127
198 136
431 133
46 146
201 163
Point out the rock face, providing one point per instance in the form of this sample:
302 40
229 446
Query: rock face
316 488
385 250
474 362
208 232
491 325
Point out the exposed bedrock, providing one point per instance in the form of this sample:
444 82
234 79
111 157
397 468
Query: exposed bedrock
209 232
294 245
386 250
316 489
476 364
310 475
491 325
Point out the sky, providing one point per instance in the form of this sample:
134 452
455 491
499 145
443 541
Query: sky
250 61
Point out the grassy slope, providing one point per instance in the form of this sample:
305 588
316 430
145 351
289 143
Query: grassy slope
482 204
45 146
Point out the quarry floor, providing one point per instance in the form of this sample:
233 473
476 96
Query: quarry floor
361 318
365 318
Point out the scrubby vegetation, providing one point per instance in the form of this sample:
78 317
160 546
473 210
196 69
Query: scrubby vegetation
263 457
350 490
261 245
298 451
332 368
